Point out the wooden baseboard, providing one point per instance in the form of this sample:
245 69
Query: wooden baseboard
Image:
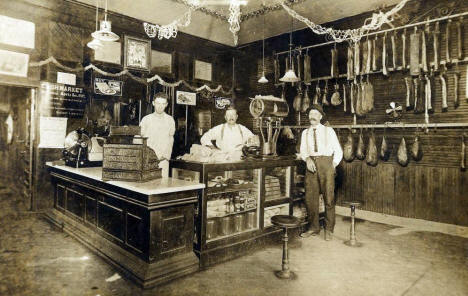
410 223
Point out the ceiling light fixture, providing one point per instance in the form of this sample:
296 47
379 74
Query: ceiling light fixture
290 75
95 43
105 33
263 78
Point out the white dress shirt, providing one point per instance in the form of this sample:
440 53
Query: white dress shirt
228 138
160 129
327 143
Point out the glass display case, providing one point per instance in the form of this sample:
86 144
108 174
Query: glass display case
234 210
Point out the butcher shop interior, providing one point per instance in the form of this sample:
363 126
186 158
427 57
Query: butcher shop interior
234 147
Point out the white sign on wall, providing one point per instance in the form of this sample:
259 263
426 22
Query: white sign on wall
17 32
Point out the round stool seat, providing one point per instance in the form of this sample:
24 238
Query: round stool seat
285 221
355 203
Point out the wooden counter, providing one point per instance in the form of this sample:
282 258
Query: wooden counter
145 229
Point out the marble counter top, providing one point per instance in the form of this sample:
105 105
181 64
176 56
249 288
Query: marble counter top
153 187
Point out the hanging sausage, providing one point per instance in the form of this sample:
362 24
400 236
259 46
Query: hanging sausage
416 151
384 55
448 60
403 53
409 93
360 151
357 56
359 99
369 56
430 94
334 62
419 101
463 153
372 157
384 149
456 78
348 148
443 82
344 98
297 103
402 155
317 94
365 50
424 65
394 54
307 73
374 54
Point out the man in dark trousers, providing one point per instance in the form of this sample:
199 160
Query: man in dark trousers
322 152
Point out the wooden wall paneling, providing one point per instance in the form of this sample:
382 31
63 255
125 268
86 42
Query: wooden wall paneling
386 186
460 205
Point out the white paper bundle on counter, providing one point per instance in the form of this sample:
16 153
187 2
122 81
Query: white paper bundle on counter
205 154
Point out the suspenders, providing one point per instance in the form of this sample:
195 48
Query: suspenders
238 126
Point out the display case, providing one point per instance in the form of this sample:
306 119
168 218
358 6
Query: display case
234 211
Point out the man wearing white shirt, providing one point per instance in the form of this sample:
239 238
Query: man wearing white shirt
322 152
229 136
159 128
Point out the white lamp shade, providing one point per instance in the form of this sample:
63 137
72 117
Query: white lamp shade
105 32
94 44
289 76
263 78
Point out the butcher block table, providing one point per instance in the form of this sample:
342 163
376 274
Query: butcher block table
144 229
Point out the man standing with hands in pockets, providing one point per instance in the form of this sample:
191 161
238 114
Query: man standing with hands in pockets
322 152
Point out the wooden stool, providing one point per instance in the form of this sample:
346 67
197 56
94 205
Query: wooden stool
285 222
352 242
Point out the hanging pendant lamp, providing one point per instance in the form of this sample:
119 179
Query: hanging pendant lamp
95 43
263 78
105 30
290 75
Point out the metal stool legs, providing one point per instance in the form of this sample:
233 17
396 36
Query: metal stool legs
285 273
352 242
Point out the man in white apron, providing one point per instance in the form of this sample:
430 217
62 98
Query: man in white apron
322 152
229 136
159 128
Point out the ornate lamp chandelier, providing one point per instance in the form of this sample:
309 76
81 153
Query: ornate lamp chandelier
105 30
95 43
290 75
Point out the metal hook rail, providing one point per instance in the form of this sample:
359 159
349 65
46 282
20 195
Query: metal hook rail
389 125
382 31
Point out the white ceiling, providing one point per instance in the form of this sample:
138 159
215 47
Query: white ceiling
209 27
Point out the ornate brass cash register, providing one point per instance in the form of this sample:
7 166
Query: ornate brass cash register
127 157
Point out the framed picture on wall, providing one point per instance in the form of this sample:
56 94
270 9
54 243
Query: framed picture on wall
162 62
137 53
202 70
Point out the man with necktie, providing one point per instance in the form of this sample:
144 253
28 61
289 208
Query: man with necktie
322 152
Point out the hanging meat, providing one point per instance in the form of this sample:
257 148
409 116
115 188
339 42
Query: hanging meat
443 82
276 67
368 97
305 101
335 98
325 95
430 93
416 151
299 66
369 56
365 49
463 154
456 78
419 102
317 94
459 40
357 57
352 96
307 73
360 151
371 153
350 64
403 53
384 55
409 93
424 65
394 54
344 98
414 52
448 60
359 99
334 63
384 149
436 42
374 54
297 103
402 155
348 148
